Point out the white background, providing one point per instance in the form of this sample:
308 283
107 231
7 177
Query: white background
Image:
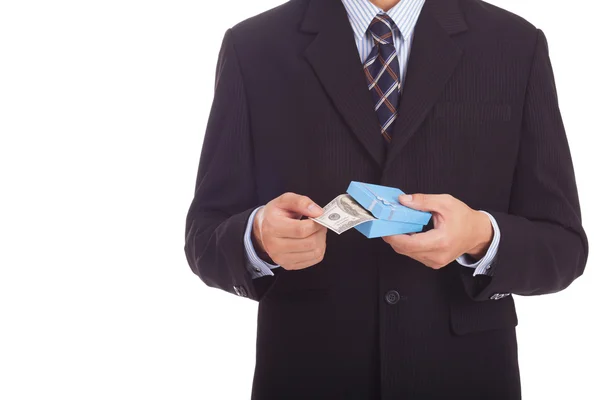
103 106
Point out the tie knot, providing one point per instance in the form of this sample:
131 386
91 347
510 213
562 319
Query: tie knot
382 28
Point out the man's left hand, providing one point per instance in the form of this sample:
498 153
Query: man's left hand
458 230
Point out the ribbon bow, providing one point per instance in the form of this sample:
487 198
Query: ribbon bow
383 201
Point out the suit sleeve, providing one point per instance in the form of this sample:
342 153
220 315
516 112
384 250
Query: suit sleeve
544 247
225 192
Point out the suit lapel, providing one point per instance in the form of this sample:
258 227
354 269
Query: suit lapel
434 56
335 60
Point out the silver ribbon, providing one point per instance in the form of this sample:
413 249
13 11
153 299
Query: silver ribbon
380 199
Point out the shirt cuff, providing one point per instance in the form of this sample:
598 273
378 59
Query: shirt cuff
483 266
256 266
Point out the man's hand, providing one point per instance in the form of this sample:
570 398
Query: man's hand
458 230
290 242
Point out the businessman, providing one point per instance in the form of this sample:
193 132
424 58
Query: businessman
454 102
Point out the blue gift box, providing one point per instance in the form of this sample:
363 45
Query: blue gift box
392 217
379 228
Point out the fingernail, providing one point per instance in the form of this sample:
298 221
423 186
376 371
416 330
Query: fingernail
313 207
406 197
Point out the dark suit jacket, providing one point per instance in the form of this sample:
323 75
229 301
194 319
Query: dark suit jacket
478 119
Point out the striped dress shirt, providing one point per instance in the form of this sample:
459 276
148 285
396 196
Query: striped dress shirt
360 14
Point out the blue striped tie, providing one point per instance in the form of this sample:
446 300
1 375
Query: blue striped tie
383 73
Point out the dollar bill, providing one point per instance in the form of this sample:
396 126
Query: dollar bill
343 213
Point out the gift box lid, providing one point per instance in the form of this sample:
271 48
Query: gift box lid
382 202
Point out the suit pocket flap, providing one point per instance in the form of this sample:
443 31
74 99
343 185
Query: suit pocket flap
477 316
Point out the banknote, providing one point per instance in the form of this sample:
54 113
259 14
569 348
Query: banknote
343 213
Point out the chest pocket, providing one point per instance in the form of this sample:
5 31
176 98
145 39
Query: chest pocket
471 316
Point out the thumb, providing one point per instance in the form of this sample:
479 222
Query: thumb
296 203
423 202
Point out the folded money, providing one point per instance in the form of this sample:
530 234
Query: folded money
373 210
343 213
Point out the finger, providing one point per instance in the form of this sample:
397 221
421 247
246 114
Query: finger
289 260
287 245
318 256
426 202
296 203
305 264
294 229
292 260
418 243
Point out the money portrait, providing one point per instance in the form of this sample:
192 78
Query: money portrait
343 213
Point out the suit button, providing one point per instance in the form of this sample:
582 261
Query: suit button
392 297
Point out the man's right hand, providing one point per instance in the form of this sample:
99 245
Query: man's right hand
290 242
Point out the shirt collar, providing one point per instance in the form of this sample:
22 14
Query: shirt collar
404 14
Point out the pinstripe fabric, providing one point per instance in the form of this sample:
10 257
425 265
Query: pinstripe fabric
481 121
360 14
